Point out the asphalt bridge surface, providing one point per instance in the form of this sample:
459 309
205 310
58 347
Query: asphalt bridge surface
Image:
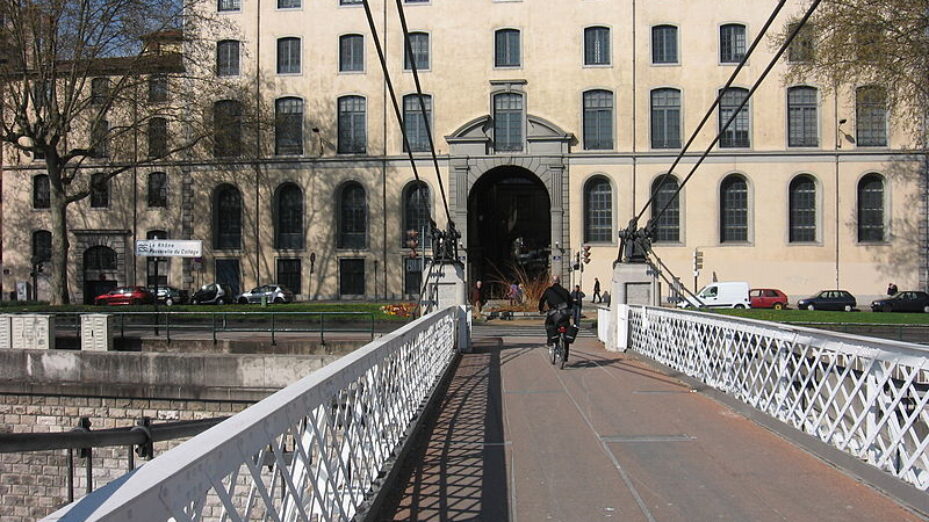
610 437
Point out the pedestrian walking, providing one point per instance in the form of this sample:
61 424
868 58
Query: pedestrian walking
578 296
596 298
476 298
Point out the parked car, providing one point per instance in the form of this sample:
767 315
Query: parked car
829 300
767 298
908 301
126 295
214 293
271 294
731 294
168 295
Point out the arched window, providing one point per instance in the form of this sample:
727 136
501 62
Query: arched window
871 208
353 216
668 225
288 126
41 192
227 128
733 209
352 136
802 117
288 223
227 218
158 190
737 134
508 122
415 121
416 212
871 117
598 120
41 246
666 119
100 258
802 209
598 210
597 46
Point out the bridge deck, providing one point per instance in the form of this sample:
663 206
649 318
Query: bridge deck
609 437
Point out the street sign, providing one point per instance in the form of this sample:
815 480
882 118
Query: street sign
169 248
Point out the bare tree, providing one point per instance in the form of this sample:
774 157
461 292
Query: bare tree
869 43
86 82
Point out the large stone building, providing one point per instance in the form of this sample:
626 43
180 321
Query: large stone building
552 122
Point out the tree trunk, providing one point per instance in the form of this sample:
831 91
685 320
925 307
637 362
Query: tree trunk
60 248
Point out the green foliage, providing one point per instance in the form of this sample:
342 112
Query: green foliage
368 307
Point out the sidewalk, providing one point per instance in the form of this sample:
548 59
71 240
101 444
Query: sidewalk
609 438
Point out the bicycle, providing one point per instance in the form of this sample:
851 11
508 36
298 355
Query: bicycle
557 351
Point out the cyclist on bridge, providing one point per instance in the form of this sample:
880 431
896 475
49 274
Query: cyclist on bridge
560 306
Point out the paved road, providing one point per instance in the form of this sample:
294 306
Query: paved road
610 437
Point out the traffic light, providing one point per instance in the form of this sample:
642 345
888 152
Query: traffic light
412 241
698 260
586 254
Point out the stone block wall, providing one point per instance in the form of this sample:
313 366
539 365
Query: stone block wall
35 484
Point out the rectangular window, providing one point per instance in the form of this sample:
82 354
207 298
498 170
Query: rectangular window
737 134
228 5
507 52
664 44
802 117
227 58
351 53
288 275
350 2
666 119
288 126
419 48
598 120
99 191
731 43
508 122
157 138
99 91
412 275
158 88
351 277
597 46
415 122
288 4
288 56
99 138
158 191
801 49
871 116
352 136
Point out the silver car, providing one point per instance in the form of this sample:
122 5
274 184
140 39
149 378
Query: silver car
269 293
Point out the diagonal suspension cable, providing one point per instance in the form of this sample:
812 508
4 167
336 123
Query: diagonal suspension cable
712 109
784 46
422 106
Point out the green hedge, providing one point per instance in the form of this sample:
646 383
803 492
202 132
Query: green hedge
375 308
820 316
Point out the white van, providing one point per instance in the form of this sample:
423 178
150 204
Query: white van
730 294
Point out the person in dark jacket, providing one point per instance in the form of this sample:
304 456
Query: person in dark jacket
477 298
560 306
577 295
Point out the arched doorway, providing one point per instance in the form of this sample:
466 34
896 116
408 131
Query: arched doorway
100 272
509 227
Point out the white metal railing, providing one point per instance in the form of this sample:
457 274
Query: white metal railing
310 452
865 396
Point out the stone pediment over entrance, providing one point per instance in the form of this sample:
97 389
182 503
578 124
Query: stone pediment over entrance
475 138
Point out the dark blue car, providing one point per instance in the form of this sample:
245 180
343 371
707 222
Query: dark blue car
829 300
903 302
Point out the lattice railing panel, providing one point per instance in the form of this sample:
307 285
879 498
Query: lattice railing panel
867 397
311 452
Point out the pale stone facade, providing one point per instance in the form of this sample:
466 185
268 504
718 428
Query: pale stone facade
547 72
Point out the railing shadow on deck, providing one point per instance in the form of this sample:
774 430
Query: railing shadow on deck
458 472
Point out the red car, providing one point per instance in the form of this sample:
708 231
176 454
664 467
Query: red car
127 295
767 298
